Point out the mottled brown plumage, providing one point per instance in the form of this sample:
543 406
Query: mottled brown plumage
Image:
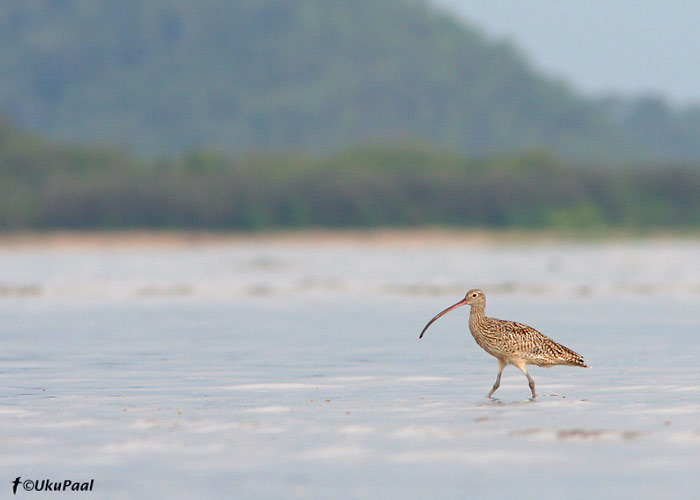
510 342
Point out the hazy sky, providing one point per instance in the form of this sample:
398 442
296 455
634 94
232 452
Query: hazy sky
601 46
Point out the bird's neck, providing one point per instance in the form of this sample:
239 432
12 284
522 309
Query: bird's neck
476 316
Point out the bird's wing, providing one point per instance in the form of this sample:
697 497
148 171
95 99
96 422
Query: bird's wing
540 349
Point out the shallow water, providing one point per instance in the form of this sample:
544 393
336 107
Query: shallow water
268 370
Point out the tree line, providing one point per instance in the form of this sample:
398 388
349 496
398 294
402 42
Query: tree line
43 186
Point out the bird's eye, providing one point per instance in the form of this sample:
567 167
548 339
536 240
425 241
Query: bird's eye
474 295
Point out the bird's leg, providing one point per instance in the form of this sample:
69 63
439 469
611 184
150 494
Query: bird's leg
531 382
497 384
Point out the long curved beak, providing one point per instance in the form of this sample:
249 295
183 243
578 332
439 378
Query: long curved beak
461 303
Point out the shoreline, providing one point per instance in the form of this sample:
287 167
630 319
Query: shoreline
376 237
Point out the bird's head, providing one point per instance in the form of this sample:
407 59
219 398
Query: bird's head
475 297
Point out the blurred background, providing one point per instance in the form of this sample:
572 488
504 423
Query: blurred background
275 114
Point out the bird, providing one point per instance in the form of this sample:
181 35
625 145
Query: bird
509 342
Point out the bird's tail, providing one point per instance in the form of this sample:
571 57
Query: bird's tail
579 362
570 357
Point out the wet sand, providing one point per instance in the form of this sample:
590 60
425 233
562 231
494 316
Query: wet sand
378 237
266 366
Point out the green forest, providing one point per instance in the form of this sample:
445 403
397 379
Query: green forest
43 186
268 114
162 77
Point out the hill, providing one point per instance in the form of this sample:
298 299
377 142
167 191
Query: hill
660 131
163 76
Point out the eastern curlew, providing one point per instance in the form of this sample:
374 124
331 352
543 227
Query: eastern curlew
510 342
